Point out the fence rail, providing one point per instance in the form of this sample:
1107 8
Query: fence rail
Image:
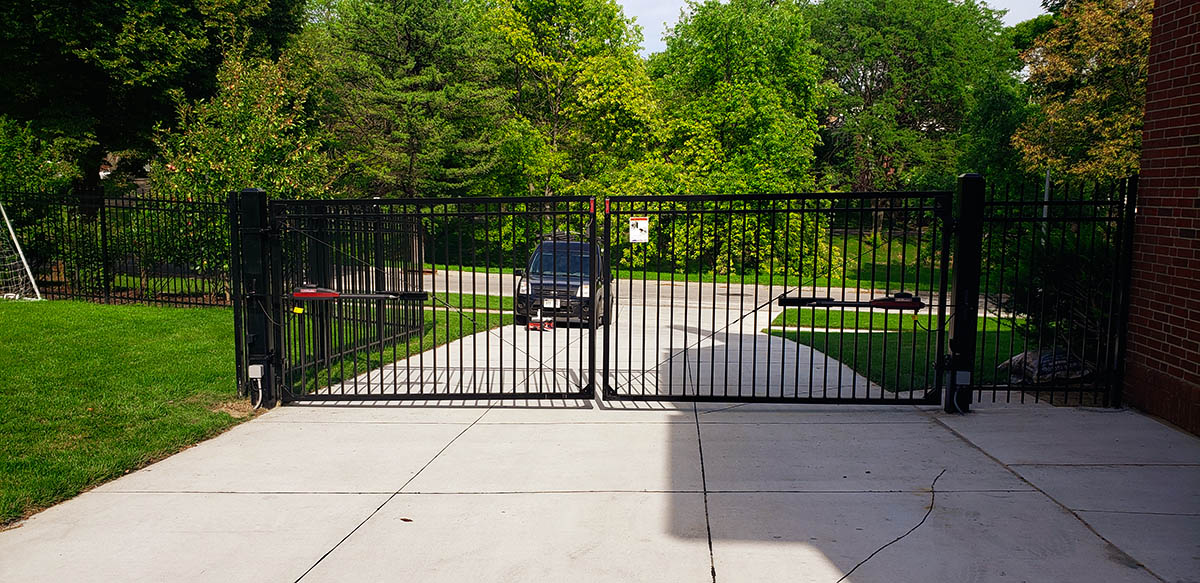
141 249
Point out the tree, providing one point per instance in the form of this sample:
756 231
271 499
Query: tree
1088 76
31 163
100 74
907 73
576 80
256 132
414 99
741 85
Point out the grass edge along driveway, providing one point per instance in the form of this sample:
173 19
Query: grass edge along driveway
91 392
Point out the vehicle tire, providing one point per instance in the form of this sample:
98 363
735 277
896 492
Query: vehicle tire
520 320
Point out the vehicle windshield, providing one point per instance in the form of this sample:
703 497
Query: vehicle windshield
560 260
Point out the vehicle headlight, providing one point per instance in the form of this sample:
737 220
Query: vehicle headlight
584 291
522 287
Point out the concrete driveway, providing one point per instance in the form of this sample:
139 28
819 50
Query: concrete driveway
592 491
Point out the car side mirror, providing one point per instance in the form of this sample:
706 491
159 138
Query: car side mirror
520 272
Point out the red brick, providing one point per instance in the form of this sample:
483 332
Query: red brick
1163 360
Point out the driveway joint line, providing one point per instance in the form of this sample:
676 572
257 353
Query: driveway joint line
712 562
394 494
1184 514
1113 465
1056 501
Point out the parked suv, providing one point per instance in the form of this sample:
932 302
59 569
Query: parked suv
557 282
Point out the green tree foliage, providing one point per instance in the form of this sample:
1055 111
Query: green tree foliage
1088 77
741 87
908 74
255 132
580 98
101 73
30 162
414 98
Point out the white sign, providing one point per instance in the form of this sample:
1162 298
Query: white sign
639 229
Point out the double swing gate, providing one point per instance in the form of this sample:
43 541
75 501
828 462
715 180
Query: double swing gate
820 298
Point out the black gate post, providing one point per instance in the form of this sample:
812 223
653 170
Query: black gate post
968 246
261 329
106 275
380 279
1124 283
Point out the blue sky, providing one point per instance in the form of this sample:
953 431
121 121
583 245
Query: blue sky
651 14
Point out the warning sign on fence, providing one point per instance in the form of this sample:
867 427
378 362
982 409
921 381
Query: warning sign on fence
639 229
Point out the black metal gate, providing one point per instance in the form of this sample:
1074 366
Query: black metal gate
898 297
418 299
820 298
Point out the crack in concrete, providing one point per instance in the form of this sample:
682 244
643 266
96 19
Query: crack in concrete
932 499
712 561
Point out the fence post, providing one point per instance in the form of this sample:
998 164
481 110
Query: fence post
380 279
968 246
262 331
105 275
597 257
1125 275
235 292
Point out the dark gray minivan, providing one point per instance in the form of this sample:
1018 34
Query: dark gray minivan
559 283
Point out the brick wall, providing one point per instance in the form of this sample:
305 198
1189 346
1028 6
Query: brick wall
1163 359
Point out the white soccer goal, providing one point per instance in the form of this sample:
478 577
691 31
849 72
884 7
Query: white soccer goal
16 278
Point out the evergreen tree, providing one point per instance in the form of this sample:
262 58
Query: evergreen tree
414 99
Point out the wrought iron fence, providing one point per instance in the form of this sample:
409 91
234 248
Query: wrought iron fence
1054 293
811 297
148 248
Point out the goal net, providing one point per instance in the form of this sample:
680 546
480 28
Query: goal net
16 278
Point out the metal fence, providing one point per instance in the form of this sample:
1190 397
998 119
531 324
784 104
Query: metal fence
1054 287
415 299
796 297
824 298
145 248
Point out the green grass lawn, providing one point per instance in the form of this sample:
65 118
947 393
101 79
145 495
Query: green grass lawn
91 392
165 284
897 265
864 320
453 301
904 361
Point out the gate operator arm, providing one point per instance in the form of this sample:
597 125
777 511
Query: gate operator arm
314 293
900 301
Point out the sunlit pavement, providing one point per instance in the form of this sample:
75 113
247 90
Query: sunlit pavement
594 491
